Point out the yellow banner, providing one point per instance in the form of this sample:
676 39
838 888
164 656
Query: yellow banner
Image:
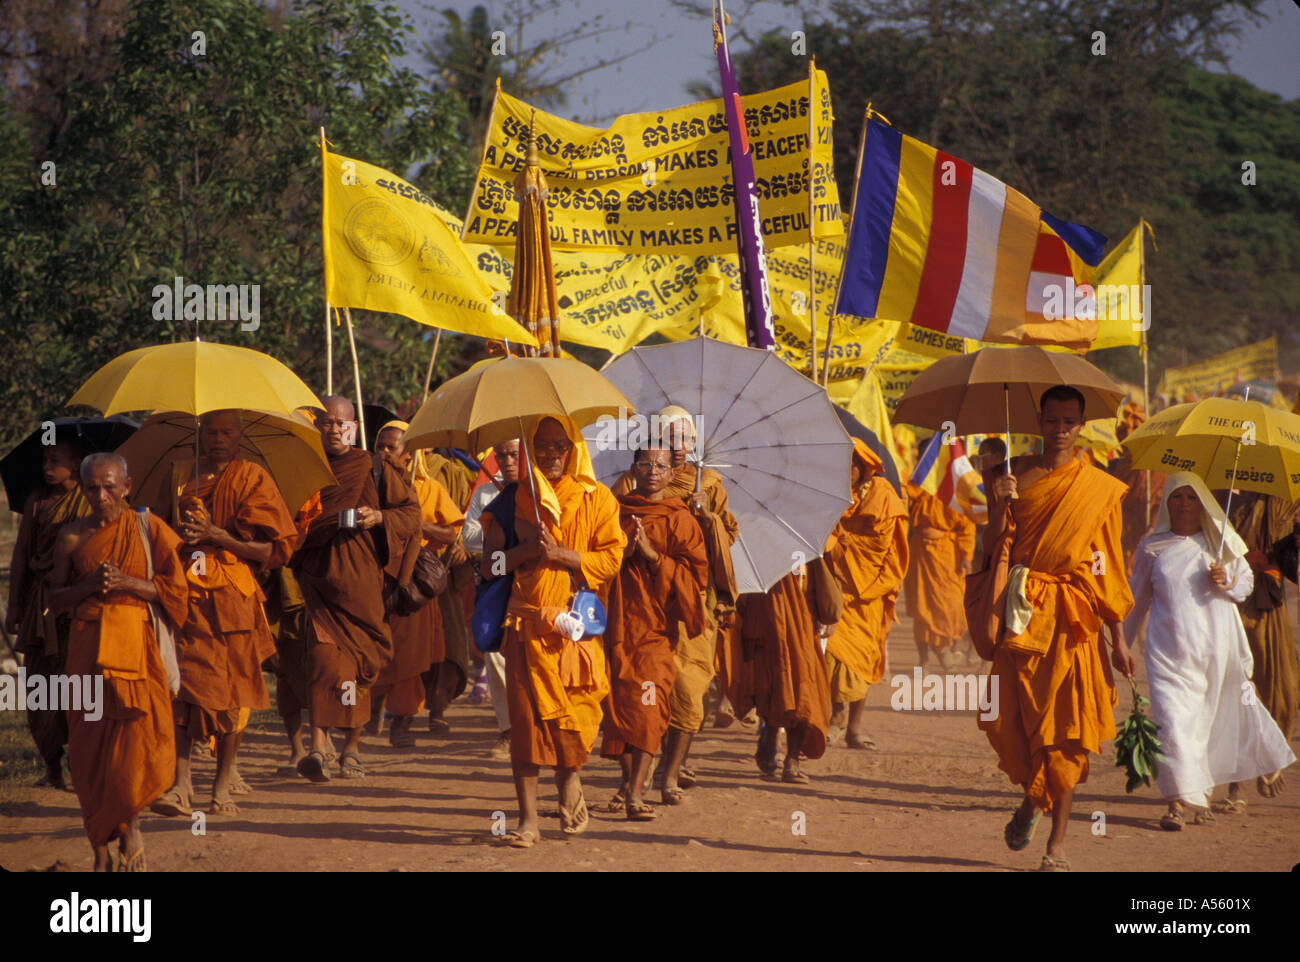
1215 375
387 247
660 182
1121 306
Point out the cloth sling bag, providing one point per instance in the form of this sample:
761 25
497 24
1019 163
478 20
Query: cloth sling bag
491 598
162 629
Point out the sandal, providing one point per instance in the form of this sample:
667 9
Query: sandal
574 819
226 807
672 796
1270 786
1018 836
312 766
617 803
517 839
686 777
1172 821
796 777
401 739
131 863
863 742
350 765
172 802
1054 863
765 758
1204 817
1231 806
640 812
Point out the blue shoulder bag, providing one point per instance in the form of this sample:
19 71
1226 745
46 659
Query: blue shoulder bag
492 597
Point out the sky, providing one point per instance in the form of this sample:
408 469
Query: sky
669 49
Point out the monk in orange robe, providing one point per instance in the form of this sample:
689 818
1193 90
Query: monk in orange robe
42 636
418 639
121 756
941 545
340 567
1055 524
791 688
659 588
700 656
868 556
234 523
555 684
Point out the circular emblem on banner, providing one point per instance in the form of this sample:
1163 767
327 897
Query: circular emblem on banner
379 234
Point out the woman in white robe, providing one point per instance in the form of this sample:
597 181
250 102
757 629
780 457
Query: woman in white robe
1213 729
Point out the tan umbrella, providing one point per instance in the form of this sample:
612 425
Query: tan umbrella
287 445
533 301
985 391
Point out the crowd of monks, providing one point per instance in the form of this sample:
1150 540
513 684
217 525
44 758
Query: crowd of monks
182 605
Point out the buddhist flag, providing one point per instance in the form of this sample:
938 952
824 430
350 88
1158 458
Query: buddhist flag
1121 298
388 248
941 244
945 472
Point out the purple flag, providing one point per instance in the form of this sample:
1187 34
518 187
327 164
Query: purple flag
749 230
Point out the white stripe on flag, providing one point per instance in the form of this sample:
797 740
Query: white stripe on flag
1067 300
970 311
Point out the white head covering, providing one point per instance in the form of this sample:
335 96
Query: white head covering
1212 521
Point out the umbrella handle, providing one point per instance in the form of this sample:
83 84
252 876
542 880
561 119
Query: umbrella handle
1006 400
1236 459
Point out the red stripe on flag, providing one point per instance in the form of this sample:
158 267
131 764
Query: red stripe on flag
945 255
1050 256
744 131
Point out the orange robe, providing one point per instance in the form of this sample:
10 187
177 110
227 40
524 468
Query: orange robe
340 573
940 540
226 637
647 604
868 556
286 615
447 677
790 684
418 639
1055 692
125 759
42 634
555 686
715 649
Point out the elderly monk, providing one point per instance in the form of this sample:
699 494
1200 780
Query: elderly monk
42 636
121 756
1055 522
941 545
657 599
471 536
697 655
447 678
790 688
234 524
555 684
418 640
1268 526
340 568
868 556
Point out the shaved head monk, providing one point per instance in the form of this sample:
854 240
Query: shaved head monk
697 654
339 568
555 683
124 758
867 555
42 636
1055 523
235 525
659 587
418 640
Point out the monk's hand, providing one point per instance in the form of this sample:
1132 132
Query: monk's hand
368 518
456 554
699 503
1122 659
112 578
1005 487
200 530
1218 575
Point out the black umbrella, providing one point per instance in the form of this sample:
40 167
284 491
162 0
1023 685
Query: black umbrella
859 430
376 417
21 467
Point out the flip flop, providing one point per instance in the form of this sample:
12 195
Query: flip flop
1204 817
686 777
172 802
617 803
1231 806
1172 821
796 777
640 812
312 766
1270 786
672 796
1054 863
517 839
223 808
574 820
132 863
240 788
1018 836
350 765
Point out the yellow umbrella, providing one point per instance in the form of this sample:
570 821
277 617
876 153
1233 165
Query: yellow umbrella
486 404
287 445
1229 443
533 301
1100 438
194 377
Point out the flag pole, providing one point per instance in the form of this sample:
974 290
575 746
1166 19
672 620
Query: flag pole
830 319
1146 373
356 377
812 240
329 331
428 375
